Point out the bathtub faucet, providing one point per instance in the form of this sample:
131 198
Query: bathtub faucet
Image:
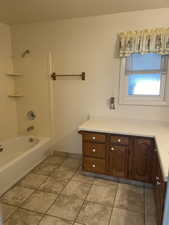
30 128
1 150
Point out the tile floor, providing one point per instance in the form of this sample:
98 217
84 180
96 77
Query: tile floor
56 193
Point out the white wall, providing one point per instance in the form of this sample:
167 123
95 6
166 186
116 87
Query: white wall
34 86
8 115
85 44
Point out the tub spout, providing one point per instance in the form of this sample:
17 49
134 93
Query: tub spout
30 128
1 150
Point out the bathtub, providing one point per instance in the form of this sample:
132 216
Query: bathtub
19 156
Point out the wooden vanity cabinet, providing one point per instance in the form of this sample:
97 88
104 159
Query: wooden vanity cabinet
127 157
118 155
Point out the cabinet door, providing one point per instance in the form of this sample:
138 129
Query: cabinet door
117 161
141 159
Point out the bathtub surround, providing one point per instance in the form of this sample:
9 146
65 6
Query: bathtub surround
8 112
76 200
84 44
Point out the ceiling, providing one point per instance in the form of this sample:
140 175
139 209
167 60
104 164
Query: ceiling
27 11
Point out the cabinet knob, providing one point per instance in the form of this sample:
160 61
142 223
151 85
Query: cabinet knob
94 150
157 178
93 138
158 183
119 140
112 149
93 165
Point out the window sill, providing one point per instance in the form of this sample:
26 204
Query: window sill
143 103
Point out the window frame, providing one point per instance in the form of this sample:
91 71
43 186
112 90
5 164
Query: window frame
150 100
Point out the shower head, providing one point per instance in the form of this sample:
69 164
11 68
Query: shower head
25 53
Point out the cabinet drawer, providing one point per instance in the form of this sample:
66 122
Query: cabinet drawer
94 150
94 137
94 165
117 139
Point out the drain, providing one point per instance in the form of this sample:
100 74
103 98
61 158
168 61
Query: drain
31 139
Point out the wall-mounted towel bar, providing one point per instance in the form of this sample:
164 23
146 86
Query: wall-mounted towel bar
82 75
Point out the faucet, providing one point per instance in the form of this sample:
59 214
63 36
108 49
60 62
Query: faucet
1 148
30 128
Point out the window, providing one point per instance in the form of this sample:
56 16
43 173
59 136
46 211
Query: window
143 79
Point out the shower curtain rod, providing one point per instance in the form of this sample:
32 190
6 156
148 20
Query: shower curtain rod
82 75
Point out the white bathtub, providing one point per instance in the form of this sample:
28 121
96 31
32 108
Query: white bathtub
19 156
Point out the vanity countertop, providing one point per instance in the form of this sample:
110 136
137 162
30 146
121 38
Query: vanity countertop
156 129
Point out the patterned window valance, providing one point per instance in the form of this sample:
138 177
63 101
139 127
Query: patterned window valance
144 41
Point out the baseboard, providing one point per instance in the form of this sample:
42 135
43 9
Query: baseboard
119 180
67 154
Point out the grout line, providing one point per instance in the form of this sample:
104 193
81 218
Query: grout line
147 211
84 201
17 184
70 221
31 211
34 191
144 206
45 213
5 220
48 173
58 195
34 188
41 219
20 206
113 205
136 212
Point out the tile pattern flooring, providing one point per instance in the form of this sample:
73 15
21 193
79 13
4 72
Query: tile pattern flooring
56 193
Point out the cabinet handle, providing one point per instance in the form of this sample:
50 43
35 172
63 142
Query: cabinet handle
112 149
93 138
158 183
157 178
94 150
93 165
119 140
